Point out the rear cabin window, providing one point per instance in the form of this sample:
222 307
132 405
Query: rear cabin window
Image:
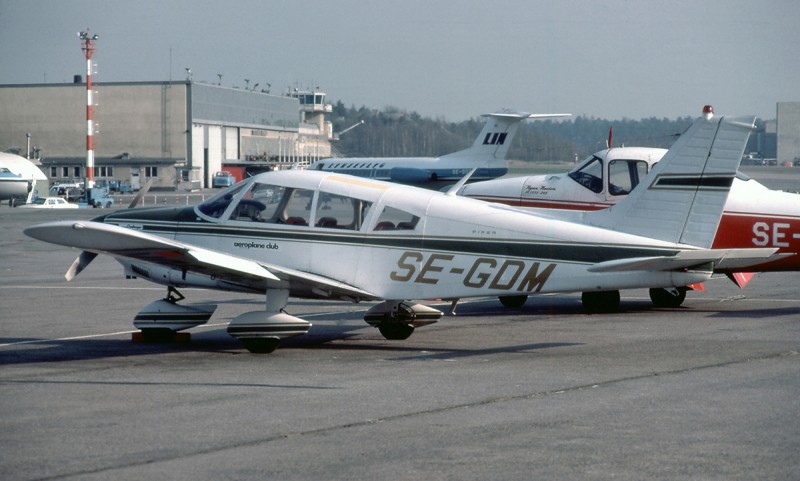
393 219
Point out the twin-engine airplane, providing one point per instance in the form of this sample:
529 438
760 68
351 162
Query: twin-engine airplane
754 216
314 234
487 155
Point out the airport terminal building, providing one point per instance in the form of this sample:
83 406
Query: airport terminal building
177 133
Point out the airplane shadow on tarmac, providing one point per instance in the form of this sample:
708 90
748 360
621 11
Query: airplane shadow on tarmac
328 329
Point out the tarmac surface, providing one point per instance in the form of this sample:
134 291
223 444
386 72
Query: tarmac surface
707 391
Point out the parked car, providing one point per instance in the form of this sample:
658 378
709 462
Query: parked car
223 179
49 203
70 191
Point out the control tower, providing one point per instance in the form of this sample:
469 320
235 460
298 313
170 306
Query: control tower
316 128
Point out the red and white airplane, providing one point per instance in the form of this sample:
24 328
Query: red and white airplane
754 216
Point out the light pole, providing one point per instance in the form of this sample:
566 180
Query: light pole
87 41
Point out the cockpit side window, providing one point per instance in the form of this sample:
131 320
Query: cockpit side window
624 175
590 175
395 219
259 204
336 211
274 204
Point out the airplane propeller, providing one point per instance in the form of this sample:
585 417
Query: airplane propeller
79 264
86 257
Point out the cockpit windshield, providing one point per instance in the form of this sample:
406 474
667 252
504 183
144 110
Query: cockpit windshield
590 174
217 205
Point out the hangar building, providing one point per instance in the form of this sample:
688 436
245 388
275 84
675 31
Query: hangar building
788 133
178 133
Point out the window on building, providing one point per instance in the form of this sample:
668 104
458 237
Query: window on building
53 172
103 171
151 171
65 172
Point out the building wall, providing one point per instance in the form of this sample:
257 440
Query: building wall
788 131
215 152
179 129
54 115
145 120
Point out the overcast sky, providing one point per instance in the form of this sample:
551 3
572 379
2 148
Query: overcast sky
455 59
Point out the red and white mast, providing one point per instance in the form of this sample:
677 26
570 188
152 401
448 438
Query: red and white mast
88 50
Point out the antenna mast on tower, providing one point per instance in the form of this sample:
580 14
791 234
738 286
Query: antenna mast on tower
87 41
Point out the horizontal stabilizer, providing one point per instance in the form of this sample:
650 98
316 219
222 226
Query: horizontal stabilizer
716 258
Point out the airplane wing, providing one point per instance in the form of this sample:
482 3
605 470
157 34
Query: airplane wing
125 243
720 258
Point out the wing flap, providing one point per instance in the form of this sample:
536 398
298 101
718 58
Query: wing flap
720 258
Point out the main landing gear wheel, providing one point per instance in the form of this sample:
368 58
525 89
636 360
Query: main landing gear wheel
395 331
513 302
600 302
668 297
261 345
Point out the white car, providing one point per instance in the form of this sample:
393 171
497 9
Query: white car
49 203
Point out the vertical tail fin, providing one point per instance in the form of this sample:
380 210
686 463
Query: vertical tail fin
495 138
682 198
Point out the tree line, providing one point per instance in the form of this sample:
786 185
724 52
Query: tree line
393 132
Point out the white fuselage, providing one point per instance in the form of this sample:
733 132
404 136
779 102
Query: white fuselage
458 248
